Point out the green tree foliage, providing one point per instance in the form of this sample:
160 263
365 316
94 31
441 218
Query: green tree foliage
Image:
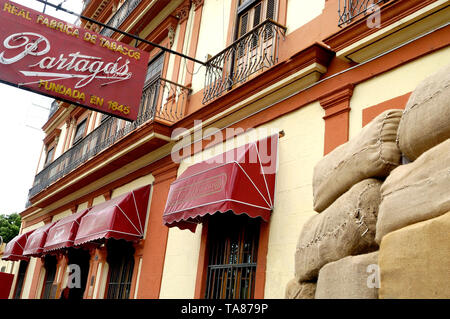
9 226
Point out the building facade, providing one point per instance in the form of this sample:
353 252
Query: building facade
304 75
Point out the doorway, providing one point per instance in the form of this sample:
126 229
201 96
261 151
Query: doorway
79 257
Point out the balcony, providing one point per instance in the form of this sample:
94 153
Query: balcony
119 17
349 10
369 32
162 100
253 52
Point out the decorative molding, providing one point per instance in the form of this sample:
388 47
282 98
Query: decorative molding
198 4
337 120
337 101
168 171
165 29
171 35
107 195
313 60
53 136
357 42
47 219
182 12
77 112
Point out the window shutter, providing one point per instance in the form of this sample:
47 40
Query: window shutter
256 21
243 26
270 13
242 31
257 15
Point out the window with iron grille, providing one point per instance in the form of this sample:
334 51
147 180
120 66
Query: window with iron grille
49 157
121 263
151 86
232 256
20 278
79 132
50 273
252 12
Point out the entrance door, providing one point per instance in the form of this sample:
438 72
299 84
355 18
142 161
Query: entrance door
81 258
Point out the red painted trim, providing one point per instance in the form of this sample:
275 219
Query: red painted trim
202 265
261 263
399 102
155 244
133 137
159 34
35 282
337 121
406 54
391 12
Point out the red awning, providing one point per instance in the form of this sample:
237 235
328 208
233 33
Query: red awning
14 249
36 241
62 234
122 217
241 180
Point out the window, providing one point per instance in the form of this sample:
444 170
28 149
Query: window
152 84
154 69
252 12
50 273
232 255
121 263
49 157
79 132
20 278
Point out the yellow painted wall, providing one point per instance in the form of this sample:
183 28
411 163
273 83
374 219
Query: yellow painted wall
82 206
186 46
211 40
300 149
60 145
142 181
394 83
300 12
31 266
98 200
59 216
180 265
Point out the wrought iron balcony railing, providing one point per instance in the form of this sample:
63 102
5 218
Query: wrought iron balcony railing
349 10
253 52
121 14
161 99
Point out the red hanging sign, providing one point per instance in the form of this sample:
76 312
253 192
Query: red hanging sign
48 56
